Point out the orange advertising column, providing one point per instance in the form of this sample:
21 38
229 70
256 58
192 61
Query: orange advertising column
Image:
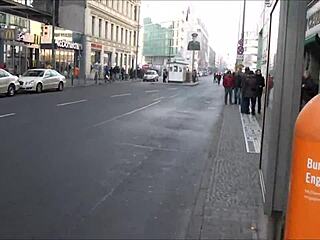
303 212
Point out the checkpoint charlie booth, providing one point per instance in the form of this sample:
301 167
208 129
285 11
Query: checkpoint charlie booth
177 71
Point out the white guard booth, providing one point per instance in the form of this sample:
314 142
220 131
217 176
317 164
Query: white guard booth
177 71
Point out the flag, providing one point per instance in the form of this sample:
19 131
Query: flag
188 12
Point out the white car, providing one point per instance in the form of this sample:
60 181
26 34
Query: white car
41 79
151 75
9 83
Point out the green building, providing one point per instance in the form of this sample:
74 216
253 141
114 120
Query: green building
157 43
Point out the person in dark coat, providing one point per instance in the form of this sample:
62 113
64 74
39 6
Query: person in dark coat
219 78
249 92
309 89
164 75
228 84
237 86
261 84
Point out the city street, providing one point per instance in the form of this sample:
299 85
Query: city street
121 160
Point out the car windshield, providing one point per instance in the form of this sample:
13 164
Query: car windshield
34 73
150 73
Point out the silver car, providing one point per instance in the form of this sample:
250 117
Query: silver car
151 75
9 83
41 79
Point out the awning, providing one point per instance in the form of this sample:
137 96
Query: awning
18 9
312 39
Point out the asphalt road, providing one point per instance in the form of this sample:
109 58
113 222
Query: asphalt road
121 160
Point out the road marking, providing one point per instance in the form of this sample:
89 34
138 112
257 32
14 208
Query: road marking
173 96
212 108
252 133
121 95
172 88
157 99
7 115
125 114
150 147
69 103
151 91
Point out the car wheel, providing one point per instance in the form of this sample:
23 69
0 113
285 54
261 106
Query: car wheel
11 90
60 86
39 88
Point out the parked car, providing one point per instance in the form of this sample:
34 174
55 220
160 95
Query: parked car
42 79
151 75
9 83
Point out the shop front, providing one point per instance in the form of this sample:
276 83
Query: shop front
67 55
96 51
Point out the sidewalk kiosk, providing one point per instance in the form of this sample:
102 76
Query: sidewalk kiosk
177 71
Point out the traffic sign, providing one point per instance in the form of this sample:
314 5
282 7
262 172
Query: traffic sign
240 42
240 50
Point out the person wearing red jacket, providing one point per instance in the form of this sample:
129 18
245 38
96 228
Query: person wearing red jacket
228 84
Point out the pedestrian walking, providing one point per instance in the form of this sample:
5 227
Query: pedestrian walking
249 92
194 76
228 84
164 75
237 86
123 71
261 84
219 78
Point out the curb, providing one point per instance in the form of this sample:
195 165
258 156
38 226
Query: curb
178 84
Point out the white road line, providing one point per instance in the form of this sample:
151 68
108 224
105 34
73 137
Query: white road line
157 99
121 95
173 96
212 108
150 147
125 114
172 88
69 103
7 115
151 91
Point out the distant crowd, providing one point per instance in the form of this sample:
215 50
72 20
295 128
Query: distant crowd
247 88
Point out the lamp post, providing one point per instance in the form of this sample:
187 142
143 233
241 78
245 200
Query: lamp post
53 54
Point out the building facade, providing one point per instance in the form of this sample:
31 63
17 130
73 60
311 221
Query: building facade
110 31
250 45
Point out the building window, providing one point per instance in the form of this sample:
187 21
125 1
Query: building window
93 20
117 34
134 38
135 13
126 37
127 8
114 4
121 35
118 5
130 38
100 27
130 10
106 30
112 30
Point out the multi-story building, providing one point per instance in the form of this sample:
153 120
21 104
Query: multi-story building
212 58
111 29
157 44
250 45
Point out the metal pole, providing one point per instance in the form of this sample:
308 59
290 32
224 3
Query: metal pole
243 22
192 66
52 37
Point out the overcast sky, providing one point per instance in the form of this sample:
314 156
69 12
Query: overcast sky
220 17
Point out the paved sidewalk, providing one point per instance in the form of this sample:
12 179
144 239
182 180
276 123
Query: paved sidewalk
230 201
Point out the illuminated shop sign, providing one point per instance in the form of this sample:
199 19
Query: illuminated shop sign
68 45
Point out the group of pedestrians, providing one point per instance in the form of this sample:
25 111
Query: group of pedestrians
246 88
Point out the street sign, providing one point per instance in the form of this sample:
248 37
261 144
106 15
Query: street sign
240 57
240 50
240 42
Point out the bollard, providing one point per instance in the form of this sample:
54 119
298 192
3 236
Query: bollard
303 211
